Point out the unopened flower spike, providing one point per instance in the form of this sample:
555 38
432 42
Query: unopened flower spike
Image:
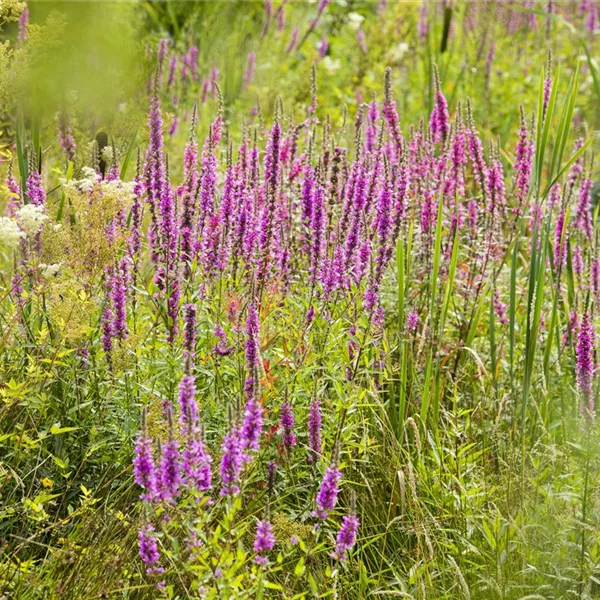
220 100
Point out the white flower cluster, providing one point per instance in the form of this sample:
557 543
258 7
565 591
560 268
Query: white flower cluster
107 154
10 233
85 184
49 271
31 218
355 20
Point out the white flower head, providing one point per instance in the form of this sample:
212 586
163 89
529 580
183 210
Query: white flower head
399 51
331 64
107 154
31 218
10 233
355 20
50 271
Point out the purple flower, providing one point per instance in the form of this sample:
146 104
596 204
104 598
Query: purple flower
439 122
583 213
560 239
286 422
293 40
412 321
424 19
362 42
252 426
585 363
189 331
390 112
148 547
188 408
252 345
250 67
346 537
107 313
328 492
197 474
172 71
500 308
264 541
231 462
144 473
323 46
170 470
35 188
65 136
23 25
523 162
314 432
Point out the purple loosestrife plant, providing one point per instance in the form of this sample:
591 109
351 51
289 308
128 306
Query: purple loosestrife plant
523 163
189 333
232 462
35 188
346 537
585 364
264 541
148 547
286 422
188 408
196 465
144 471
439 123
328 492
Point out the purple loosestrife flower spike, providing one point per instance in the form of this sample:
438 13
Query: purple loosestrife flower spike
585 364
272 164
412 321
107 313
424 19
583 214
346 537
170 467
547 85
144 471
35 187
286 422
328 492
172 71
188 409
314 432
264 541
475 150
189 333
293 40
65 135
232 462
323 46
252 344
23 25
317 233
560 238
439 123
390 112
250 67
170 470
523 162
362 41
148 548
252 425
197 474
